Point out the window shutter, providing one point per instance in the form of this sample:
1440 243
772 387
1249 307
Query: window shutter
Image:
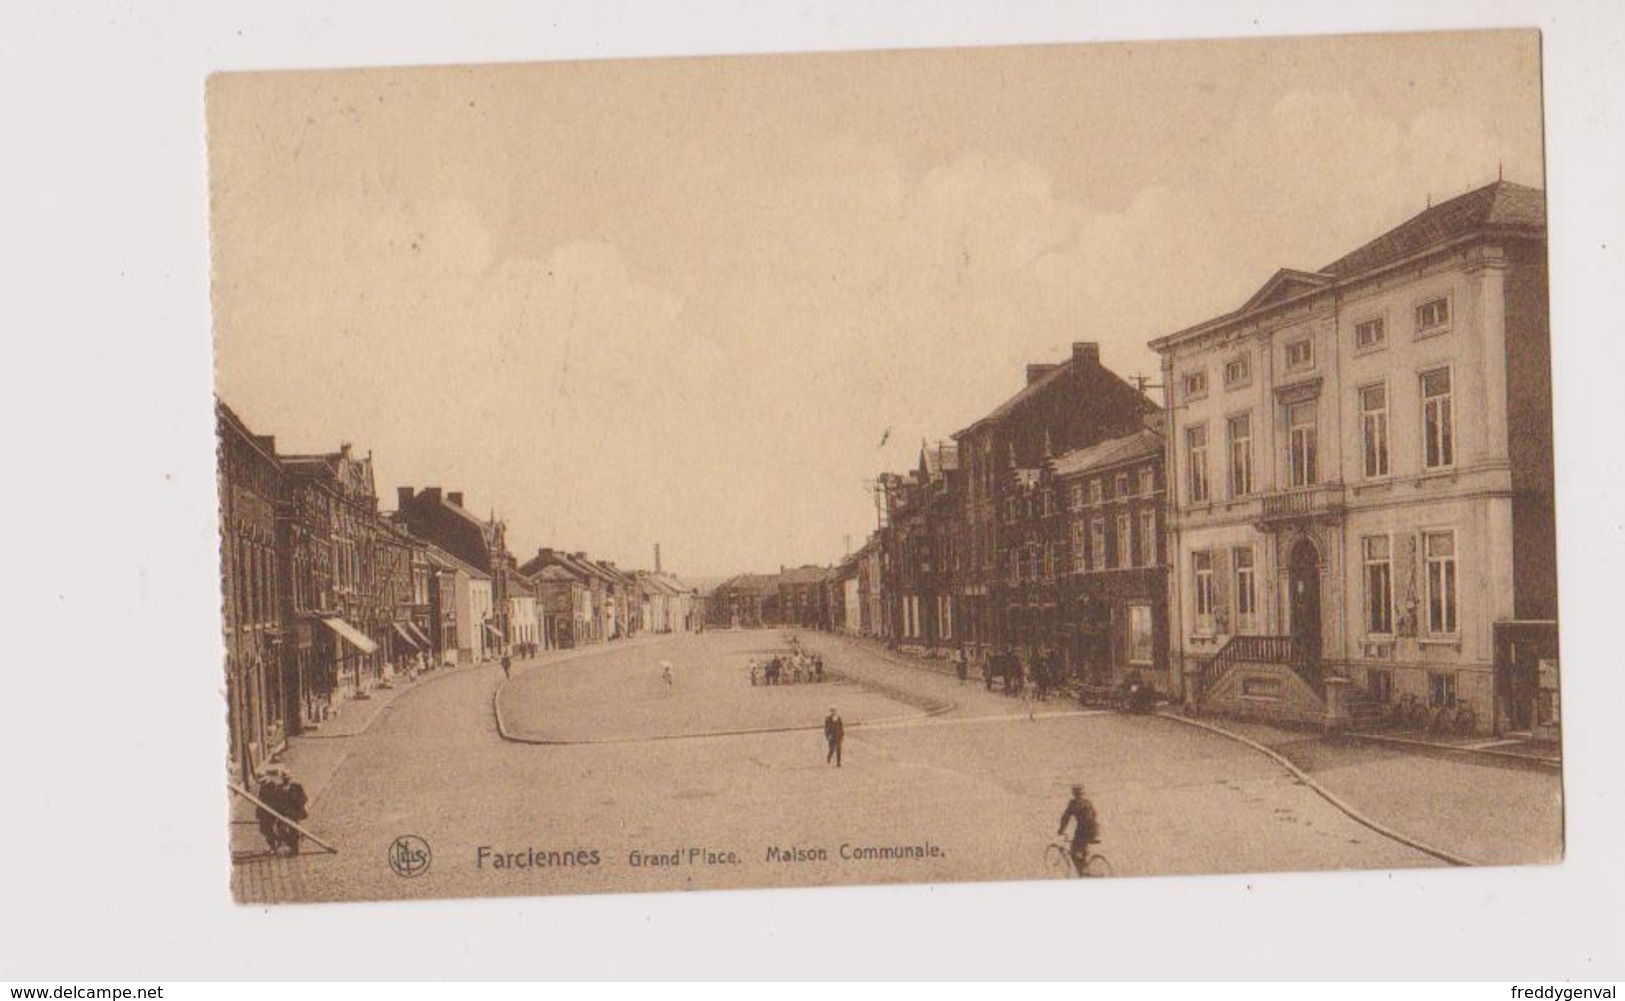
1221 590
1405 583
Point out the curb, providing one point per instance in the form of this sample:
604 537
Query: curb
1325 793
1487 756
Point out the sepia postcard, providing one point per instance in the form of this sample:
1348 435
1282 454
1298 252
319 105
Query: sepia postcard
1067 461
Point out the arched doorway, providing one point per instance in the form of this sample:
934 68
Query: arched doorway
1303 586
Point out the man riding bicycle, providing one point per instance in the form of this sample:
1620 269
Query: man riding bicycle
1085 827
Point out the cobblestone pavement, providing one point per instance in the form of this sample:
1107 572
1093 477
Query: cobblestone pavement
978 788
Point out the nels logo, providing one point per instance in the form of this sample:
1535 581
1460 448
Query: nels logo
409 855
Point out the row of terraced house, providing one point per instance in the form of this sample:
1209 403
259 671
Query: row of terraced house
1342 500
326 596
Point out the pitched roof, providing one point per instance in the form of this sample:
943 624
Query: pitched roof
1139 445
1029 391
553 573
803 575
447 561
1500 205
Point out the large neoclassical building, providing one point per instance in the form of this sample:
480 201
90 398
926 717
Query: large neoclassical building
1360 470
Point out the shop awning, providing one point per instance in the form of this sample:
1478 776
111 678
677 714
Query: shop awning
422 639
400 631
493 630
352 635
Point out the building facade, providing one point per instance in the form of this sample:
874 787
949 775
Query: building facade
1361 466
1010 529
1113 577
263 707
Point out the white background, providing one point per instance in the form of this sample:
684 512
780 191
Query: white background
112 863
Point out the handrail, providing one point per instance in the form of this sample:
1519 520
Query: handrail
1287 651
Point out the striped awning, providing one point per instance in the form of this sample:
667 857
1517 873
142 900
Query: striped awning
424 640
493 630
351 635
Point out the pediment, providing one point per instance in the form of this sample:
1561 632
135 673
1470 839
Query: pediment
1285 284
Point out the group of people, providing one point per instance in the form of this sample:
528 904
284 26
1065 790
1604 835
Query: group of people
281 800
795 669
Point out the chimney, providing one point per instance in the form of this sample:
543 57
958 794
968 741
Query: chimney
1036 371
657 557
403 497
455 498
433 493
581 554
1086 352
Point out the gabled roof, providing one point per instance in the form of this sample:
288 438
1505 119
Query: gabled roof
519 584
1501 205
1113 452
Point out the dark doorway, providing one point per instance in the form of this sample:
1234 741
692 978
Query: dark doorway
1303 582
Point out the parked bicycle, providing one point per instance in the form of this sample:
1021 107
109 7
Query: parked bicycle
1454 717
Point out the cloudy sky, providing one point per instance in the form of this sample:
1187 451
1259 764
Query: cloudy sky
683 301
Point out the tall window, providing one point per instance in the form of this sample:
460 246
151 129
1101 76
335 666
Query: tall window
1148 482
1077 496
1374 429
1196 446
1202 574
1379 585
1120 486
1246 589
1438 425
1125 548
1440 550
1097 491
1078 553
1148 538
1097 544
1302 444
1241 455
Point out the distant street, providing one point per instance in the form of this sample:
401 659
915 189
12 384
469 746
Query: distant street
962 777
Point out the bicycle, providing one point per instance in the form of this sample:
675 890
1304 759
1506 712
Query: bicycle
1454 717
1058 862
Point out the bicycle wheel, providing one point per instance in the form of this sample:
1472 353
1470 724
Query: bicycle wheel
1098 866
1057 862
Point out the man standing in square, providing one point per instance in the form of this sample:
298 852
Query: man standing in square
835 734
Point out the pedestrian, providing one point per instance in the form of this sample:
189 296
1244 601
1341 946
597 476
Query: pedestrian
281 794
753 674
507 666
835 735
961 669
666 675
